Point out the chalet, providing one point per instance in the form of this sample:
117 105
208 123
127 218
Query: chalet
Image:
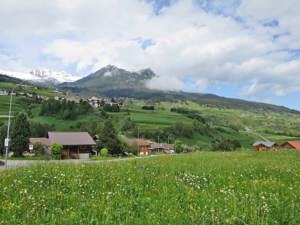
144 145
264 145
77 145
161 147
291 145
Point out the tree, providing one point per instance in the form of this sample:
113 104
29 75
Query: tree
109 139
3 133
225 145
56 150
20 134
178 146
134 149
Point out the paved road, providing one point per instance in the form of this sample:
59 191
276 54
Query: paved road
21 163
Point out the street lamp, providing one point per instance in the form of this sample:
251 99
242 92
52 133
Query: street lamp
6 142
7 139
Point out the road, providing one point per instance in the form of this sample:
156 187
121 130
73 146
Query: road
21 163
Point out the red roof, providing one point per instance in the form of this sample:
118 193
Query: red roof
294 144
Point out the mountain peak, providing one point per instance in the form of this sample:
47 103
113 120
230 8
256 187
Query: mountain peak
111 76
111 67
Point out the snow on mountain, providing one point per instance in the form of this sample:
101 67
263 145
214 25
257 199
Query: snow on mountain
42 76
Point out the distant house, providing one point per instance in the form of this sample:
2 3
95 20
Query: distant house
292 145
3 93
161 147
264 145
77 145
144 145
147 147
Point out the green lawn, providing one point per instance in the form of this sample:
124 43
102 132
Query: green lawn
199 188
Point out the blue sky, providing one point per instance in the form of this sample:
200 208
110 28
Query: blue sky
235 48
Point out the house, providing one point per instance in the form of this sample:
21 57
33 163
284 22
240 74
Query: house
264 145
144 145
3 93
77 145
292 145
161 147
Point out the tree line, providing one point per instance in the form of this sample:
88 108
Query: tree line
64 109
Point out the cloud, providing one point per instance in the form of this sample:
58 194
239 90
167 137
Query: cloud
251 43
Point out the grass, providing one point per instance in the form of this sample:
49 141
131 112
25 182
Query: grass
104 158
199 188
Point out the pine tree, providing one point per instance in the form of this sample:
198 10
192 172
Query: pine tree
109 139
20 134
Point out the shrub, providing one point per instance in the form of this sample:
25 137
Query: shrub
56 150
38 149
104 152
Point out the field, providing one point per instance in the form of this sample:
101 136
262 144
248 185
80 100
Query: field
198 188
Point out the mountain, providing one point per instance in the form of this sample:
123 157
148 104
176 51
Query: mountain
5 78
113 78
41 76
112 81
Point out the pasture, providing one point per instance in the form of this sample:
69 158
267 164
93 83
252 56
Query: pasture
198 188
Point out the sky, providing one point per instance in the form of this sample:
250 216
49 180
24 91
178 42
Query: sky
247 49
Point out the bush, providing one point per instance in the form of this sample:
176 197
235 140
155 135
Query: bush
104 152
38 149
56 150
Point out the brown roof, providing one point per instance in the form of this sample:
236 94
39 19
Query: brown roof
42 140
164 146
71 138
140 142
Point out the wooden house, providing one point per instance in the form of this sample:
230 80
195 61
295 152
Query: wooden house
77 145
161 147
143 145
264 145
291 145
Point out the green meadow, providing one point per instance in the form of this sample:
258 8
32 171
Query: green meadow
196 188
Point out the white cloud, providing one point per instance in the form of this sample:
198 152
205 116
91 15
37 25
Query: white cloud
189 43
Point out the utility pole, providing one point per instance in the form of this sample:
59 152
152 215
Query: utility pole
7 141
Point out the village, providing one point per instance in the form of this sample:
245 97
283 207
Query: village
80 145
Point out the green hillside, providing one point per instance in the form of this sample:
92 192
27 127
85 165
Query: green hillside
201 125
241 125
